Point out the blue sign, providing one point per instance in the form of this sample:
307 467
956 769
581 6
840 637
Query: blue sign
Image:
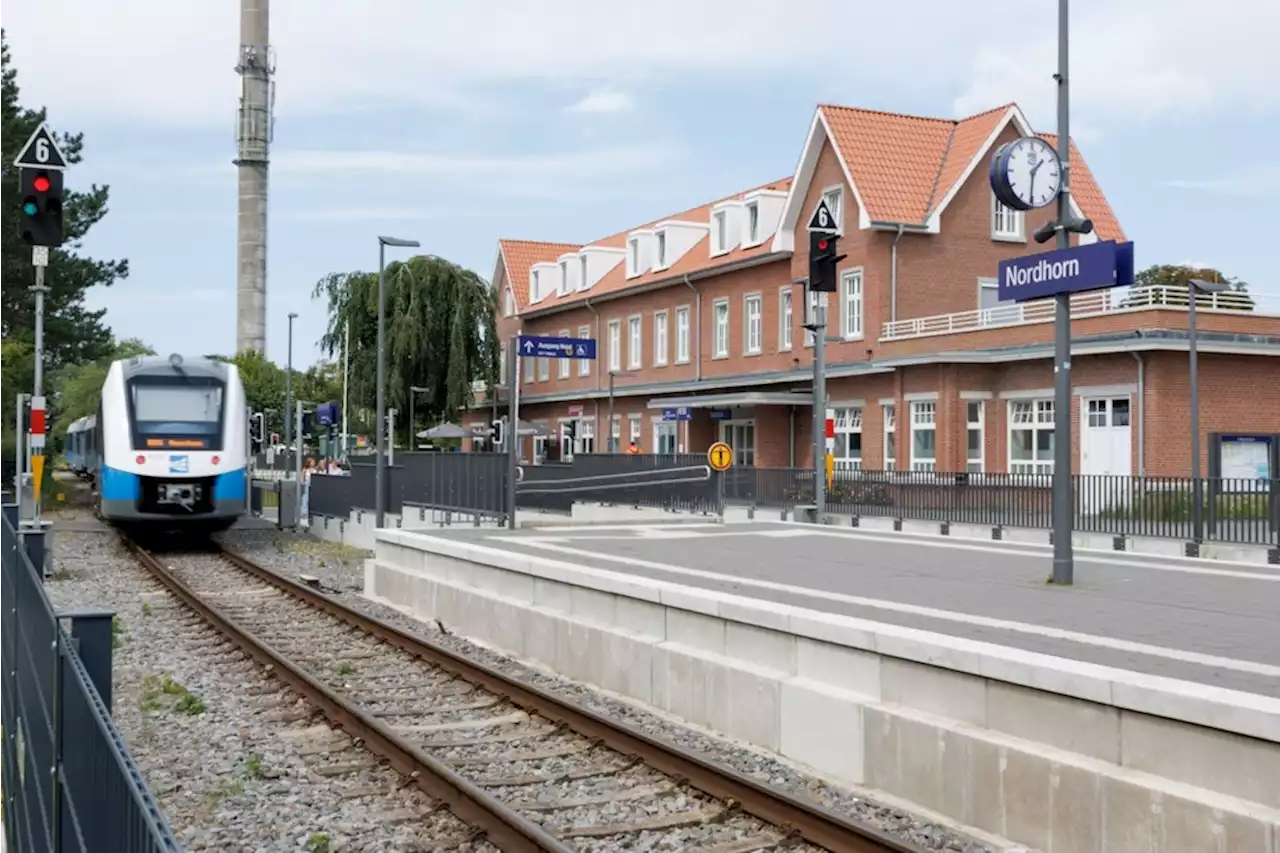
532 346
679 413
721 414
328 414
179 465
1095 266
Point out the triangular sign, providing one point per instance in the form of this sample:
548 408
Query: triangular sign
41 152
823 219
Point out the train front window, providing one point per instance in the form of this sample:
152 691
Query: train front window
177 415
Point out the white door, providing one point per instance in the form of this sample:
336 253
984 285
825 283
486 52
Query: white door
741 436
1106 452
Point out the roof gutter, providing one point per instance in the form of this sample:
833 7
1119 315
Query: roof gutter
913 227
697 333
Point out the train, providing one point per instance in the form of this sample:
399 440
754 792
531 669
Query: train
168 446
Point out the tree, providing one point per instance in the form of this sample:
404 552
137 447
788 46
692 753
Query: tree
76 388
440 335
263 382
72 333
1167 284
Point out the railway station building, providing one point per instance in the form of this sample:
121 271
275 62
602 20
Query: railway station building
698 309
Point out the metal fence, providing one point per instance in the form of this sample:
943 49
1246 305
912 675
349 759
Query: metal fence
69 781
472 483
675 482
1234 510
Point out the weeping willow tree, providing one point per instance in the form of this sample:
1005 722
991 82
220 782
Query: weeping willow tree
440 335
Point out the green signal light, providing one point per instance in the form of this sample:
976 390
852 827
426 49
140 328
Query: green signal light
30 208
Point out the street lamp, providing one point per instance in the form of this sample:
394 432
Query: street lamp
413 389
288 389
1196 286
609 443
380 466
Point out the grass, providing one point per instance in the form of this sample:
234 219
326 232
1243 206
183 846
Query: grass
318 842
161 691
346 668
253 766
321 548
118 635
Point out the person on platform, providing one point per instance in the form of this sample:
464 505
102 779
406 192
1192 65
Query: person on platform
633 449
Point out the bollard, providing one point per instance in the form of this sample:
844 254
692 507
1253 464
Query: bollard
91 633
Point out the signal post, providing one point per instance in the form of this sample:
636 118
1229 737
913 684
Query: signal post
41 164
824 236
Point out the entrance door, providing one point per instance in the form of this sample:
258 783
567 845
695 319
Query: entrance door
741 436
1105 452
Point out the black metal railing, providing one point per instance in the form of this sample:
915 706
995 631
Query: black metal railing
674 482
69 781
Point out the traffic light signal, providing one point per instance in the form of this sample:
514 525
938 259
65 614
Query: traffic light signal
307 429
822 261
41 192
496 433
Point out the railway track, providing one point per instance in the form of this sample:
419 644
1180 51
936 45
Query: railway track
526 770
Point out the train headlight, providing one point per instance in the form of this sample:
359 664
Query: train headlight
215 460
141 460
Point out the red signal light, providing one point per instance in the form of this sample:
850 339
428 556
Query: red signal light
822 245
41 184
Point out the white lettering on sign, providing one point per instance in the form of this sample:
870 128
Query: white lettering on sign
1043 271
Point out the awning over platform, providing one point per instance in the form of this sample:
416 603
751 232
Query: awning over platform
742 398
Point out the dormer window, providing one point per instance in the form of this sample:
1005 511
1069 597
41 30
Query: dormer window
721 230
633 256
582 279
564 278
662 249
753 222
535 292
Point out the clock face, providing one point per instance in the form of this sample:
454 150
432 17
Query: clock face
1032 171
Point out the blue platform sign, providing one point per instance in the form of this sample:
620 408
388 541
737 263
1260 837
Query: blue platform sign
679 413
532 346
1095 266
328 414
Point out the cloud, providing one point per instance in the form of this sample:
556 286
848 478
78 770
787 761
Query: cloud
390 214
588 164
602 101
1261 180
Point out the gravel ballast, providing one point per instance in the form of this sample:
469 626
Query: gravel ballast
340 571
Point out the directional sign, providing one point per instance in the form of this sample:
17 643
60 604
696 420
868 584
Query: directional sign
41 152
679 413
823 219
720 456
540 347
1095 266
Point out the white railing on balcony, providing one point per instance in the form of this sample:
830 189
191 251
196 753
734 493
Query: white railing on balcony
1095 304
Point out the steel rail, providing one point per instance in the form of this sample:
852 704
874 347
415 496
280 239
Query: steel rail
799 818
501 825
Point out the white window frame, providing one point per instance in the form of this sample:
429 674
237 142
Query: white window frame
670 429
1007 225
924 419
752 327
661 338
975 464
1033 416
633 257
544 370
635 342
583 281
563 365
719 231
564 278
504 353
535 285
720 348
786 318
661 251
508 303
615 345
834 197
584 365
753 222
528 368
852 318
848 422
890 440
635 431
683 325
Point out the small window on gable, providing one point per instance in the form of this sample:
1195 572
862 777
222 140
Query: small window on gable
633 257
583 281
1006 223
753 222
508 303
662 249
834 198
721 231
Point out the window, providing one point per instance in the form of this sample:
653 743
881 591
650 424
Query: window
924 435
534 286
615 433
508 303
890 436
741 437
1006 223
851 304
633 430
753 222
564 278
721 220
586 436
584 365
633 257
754 310
975 436
539 448
544 369
664 436
662 248
834 198
615 345
682 335
785 319
1031 436
563 365
502 366
528 369
848 450
161 408
583 281
660 337
721 329
634 343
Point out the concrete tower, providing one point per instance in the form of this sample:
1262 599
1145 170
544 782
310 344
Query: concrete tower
253 142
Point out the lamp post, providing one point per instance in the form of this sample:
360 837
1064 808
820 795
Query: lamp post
1196 286
609 442
380 464
288 389
413 389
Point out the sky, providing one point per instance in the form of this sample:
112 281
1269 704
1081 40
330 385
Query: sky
569 120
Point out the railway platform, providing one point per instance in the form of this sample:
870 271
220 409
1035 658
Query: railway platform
1142 703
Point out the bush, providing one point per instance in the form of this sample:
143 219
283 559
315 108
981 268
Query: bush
1175 505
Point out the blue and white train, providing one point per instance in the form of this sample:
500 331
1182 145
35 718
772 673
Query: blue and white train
169 444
